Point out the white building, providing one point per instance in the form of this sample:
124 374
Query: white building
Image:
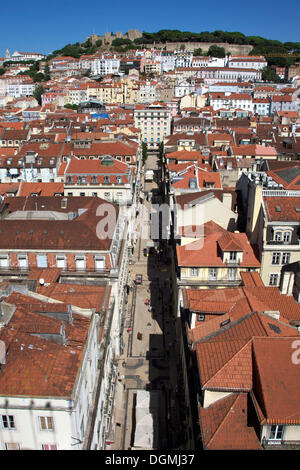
105 66
24 56
229 100
183 59
56 373
148 91
183 87
154 121
167 59
18 90
249 62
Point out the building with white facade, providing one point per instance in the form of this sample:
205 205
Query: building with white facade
229 100
105 65
18 56
18 90
154 121
249 62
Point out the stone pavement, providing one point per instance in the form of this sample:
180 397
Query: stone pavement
149 360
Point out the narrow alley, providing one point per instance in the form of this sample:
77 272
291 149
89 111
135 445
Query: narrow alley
149 361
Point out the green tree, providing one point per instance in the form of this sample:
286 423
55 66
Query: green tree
161 151
198 52
269 75
144 152
71 106
38 92
216 51
47 72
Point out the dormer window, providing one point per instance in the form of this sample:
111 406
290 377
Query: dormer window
286 237
277 236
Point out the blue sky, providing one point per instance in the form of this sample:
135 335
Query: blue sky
35 26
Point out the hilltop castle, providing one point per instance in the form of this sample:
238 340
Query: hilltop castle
109 37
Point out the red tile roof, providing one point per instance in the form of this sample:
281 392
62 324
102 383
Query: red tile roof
224 425
287 205
42 189
36 366
278 378
204 251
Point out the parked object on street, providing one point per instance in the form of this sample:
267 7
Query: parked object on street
138 279
149 176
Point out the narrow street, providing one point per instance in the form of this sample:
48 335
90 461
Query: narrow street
149 361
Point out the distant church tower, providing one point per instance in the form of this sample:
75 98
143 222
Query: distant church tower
7 54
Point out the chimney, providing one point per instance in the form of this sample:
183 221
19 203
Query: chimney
287 283
273 314
227 200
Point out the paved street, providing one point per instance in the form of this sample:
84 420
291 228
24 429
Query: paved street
149 359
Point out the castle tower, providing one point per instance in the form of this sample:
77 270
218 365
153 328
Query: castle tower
7 54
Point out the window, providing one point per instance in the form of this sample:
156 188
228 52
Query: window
200 317
8 422
61 262
12 446
23 261
277 236
276 432
46 423
273 279
4 261
286 258
212 274
49 447
106 179
232 256
99 263
276 258
94 179
232 274
80 263
286 237
194 272
41 261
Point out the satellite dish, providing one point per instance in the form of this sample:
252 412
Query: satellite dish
42 281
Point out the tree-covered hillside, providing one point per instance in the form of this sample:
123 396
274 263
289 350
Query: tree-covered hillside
277 53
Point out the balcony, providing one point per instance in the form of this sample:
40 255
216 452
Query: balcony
66 271
232 262
280 445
